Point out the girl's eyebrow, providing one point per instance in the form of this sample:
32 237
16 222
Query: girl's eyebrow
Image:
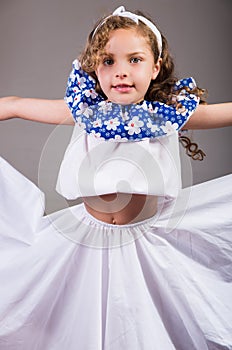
128 54
136 53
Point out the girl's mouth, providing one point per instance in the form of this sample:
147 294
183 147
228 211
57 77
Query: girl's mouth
123 87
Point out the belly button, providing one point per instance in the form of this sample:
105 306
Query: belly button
114 221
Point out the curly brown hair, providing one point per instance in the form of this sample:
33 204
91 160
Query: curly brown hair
162 88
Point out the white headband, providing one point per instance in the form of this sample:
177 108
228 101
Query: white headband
120 11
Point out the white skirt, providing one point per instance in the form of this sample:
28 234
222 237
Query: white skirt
71 282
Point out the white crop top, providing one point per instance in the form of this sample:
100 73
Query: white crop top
93 166
123 148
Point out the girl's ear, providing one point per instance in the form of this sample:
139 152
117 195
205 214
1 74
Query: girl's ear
156 68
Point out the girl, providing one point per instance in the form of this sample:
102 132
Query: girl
137 265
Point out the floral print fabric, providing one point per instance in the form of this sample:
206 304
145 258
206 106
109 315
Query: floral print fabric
133 122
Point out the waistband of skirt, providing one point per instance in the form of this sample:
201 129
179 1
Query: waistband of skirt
92 219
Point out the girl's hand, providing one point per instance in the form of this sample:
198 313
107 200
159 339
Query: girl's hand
7 107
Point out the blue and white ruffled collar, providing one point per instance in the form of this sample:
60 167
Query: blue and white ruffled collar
133 122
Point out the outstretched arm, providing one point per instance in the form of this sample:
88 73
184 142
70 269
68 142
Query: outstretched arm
211 116
40 110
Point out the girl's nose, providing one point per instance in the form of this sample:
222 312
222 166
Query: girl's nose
121 71
121 75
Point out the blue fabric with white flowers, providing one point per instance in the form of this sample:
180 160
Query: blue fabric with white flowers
134 122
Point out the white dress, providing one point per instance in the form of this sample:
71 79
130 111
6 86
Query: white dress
71 282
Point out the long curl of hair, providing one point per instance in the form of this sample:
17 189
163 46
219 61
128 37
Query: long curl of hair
162 88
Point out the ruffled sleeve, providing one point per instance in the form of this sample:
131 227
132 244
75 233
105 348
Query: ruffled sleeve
80 91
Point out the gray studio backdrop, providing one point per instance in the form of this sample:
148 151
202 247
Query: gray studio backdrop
40 39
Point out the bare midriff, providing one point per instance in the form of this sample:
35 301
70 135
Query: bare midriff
121 208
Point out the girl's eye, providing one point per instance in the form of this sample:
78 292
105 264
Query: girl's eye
135 60
108 61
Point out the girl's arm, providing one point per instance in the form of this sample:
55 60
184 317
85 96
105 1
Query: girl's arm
40 110
211 116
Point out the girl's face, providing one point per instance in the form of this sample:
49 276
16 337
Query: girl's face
127 67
